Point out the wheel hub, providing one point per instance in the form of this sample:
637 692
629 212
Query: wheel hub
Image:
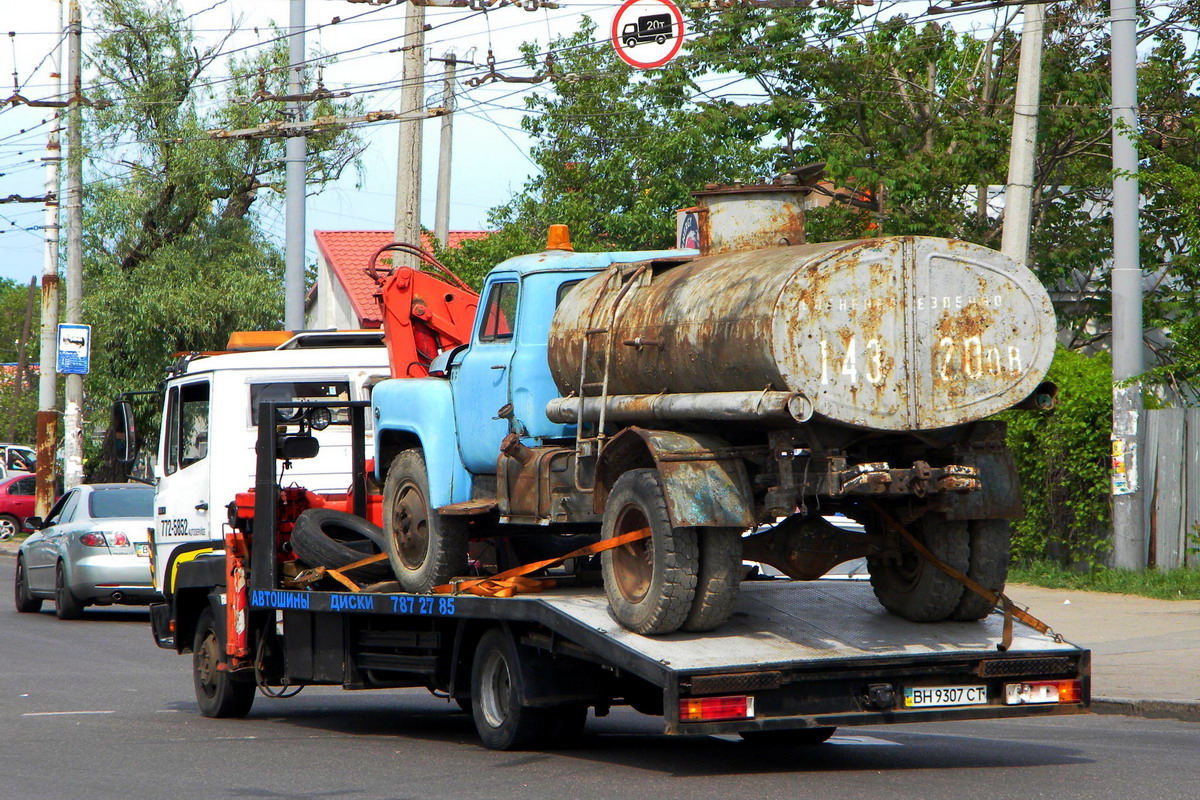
633 563
411 527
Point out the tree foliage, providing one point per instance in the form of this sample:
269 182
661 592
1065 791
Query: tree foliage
1063 458
175 253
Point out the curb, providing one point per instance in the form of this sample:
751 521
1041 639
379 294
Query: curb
1181 710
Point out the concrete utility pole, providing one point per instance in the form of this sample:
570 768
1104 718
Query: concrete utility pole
1129 535
296 156
441 217
73 416
47 416
1018 195
412 101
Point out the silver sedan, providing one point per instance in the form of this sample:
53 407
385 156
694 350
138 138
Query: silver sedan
92 549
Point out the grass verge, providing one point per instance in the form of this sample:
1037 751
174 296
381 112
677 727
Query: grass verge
1174 584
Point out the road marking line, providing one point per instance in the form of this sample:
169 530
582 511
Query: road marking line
62 713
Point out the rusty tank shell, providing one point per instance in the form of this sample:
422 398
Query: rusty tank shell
894 334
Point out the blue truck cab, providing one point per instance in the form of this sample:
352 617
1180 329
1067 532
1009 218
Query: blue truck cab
455 419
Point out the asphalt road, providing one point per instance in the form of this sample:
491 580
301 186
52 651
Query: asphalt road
92 709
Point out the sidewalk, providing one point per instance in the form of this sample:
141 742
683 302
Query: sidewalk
1145 653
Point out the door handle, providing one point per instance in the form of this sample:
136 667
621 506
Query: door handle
499 366
202 506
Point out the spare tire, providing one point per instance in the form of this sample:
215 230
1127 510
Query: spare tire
332 539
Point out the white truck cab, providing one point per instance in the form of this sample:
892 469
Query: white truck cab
206 443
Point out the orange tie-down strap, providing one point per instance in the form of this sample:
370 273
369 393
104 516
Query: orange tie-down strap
995 598
513 581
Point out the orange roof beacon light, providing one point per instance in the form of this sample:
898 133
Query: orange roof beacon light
559 238
242 341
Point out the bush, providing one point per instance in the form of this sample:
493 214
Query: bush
1063 457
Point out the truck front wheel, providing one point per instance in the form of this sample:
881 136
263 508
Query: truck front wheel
910 586
425 548
217 693
650 583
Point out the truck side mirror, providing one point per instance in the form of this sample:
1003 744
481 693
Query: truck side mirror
296 446
124 434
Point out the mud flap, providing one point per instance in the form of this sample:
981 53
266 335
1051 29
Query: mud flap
705 485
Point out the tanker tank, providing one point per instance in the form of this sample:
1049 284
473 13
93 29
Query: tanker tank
893 334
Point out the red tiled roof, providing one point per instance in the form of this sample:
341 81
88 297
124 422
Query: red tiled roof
347 252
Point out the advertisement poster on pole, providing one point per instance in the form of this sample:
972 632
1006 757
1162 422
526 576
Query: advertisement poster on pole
647 33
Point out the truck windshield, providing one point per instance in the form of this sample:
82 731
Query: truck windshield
134 501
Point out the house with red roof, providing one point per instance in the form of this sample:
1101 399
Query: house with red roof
343 297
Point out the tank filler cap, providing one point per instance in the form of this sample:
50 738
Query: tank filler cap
559 238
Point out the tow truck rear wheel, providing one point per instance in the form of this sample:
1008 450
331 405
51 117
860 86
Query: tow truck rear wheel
991 546
217 693
425 548
499 674
911 586
650 583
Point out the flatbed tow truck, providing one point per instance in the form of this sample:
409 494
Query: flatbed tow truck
795 661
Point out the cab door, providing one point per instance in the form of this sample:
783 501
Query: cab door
184 525
481 380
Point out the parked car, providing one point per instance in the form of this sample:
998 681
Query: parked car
93 549
16 503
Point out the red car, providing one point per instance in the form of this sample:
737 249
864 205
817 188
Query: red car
16 503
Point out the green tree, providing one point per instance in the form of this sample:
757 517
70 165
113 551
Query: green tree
18 401
175 255
617 153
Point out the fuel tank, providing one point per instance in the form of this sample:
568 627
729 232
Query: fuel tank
894 334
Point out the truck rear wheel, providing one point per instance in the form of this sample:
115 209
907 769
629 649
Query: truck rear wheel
912 587
991 545
650 583
425 548
717 580
217 693
499 674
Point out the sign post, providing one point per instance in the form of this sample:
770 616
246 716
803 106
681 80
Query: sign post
74 349
647 33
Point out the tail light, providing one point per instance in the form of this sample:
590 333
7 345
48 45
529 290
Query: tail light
1016 694
103 539
711 709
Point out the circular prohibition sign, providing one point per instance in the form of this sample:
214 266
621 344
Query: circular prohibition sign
647 33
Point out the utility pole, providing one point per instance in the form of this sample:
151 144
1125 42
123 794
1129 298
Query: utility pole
296 157
47 415
412 99
73 415
1018 194
1129 538
441 217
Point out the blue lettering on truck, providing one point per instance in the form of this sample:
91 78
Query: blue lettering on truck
415 605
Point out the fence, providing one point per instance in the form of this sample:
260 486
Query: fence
1170 475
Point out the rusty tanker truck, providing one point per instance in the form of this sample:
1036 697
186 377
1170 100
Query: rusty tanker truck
710 407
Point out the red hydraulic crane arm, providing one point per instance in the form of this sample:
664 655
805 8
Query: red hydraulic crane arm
423 313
